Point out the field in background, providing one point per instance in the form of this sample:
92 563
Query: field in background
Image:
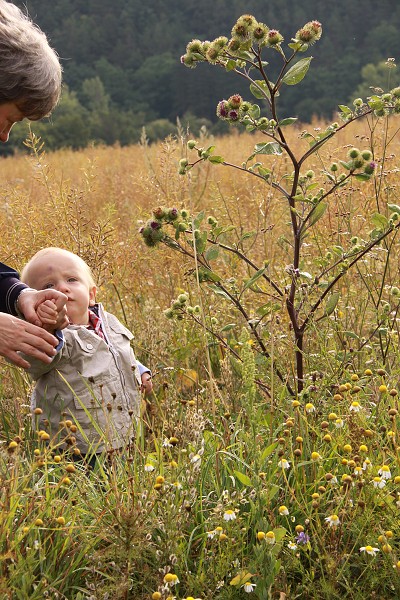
224 482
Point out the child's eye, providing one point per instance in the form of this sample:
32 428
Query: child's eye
48 286
72 279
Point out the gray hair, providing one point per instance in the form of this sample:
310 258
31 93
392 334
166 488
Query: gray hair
30 71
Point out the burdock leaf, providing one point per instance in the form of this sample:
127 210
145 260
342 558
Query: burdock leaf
297 72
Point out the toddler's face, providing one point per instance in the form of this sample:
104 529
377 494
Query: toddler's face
65 274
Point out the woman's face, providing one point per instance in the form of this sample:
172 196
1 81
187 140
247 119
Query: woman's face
9 114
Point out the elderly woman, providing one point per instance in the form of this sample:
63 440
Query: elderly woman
30 86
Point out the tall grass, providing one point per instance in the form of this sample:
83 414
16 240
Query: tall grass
227 486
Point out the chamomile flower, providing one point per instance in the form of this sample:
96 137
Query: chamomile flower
171 579
148 467
229 515
270 537
292 546
369 550
367 464
248 587
379 482
384 472
310 408
283 510
285 464
358 471
333 520
355 406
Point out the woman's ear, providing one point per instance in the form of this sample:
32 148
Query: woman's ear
92 295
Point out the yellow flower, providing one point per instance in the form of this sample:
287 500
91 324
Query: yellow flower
315 456
369 550
171 579
333 520
229 515
270 537
283 510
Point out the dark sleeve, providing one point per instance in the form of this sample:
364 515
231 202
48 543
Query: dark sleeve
10 289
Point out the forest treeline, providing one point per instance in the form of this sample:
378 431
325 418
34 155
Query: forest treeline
122 67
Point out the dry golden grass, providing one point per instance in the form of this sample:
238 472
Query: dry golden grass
94 201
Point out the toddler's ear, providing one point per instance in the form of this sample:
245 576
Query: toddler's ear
92 296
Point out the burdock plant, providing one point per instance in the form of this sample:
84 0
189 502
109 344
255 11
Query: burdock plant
307 298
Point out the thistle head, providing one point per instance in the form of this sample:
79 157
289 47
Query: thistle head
213 53
233 45
222 109
243 28
274 37
235 101
194 46
310 33
259 34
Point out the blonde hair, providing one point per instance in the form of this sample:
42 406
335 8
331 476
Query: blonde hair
30 71
25 274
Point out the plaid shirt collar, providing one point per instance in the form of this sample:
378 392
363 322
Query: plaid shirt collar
95 324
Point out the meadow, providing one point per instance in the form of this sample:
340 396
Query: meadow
239 482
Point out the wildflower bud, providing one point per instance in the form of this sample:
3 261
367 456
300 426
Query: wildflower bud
235 101
354 153
358 102
259 34
334 167
274 37
37 411
60 520
222 109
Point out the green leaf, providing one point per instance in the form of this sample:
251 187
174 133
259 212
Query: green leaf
216 160
268 451
266 148
362 177
228 327
217 290
297 72
197 221
280 533
253 279
259 89
208 275
379 221
230 65
331 304
394 208
317 213
212 253
345 109
255 111
264 172
287 121
242 478
351 334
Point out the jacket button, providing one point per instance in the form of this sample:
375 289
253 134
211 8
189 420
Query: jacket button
89 346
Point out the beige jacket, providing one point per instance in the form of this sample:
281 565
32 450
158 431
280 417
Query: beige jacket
92 384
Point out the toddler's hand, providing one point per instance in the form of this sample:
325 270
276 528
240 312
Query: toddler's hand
147 384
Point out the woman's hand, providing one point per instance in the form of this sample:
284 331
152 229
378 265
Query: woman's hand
29 300
17 335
